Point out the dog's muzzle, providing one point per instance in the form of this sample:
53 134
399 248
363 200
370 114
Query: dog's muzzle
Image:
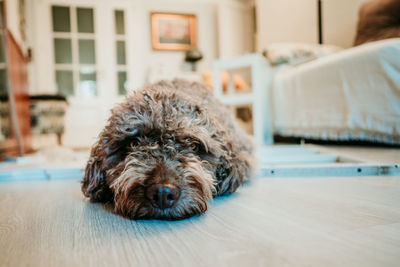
163 196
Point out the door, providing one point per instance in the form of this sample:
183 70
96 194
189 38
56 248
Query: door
81 51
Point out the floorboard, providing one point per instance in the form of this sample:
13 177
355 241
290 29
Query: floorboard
352 221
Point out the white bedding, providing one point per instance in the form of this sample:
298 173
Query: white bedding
350 95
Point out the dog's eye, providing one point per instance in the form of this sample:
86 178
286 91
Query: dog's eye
137 141
194 147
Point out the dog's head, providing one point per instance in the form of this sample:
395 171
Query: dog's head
160 156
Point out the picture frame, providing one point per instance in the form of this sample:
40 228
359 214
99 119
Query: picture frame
173 31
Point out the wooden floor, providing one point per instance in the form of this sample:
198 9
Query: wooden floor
270 222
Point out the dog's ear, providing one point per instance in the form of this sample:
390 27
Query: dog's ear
232 171
227 181
94 184
106 154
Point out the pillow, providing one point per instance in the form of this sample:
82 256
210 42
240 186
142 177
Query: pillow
296 53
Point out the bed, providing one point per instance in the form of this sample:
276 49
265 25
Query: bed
350 95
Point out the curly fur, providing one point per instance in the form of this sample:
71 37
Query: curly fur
167 133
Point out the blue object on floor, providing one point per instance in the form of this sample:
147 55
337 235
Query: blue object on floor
40 174
22 175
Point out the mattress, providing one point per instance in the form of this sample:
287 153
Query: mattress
351 95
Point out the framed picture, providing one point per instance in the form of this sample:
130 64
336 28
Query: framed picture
170 31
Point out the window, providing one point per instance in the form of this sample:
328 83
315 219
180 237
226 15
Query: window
74 51
120 47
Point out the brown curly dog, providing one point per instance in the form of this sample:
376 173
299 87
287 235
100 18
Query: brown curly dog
166 151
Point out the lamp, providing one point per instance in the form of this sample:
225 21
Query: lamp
192 56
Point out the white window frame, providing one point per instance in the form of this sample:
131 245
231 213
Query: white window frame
75 36
85 117
121 37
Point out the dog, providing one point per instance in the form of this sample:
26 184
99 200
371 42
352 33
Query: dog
166 151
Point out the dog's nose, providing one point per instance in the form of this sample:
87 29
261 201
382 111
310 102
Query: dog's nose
163 196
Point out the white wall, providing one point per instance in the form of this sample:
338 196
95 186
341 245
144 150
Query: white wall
85 117
206 13
13 19
340 21
296 21
286 21
142 56
235 28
